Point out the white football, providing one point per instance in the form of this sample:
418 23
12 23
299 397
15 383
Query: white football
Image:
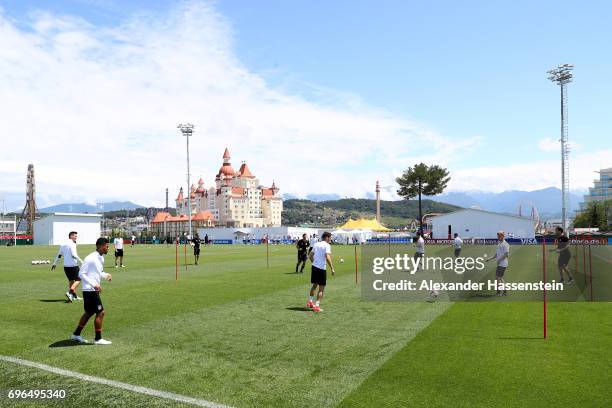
341 260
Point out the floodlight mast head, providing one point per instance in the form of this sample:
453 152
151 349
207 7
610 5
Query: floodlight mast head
562 74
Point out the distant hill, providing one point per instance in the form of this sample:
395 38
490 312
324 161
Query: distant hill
547 201
88 208
394 214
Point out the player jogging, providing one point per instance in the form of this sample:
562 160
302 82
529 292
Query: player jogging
118 243
457 243
501 256
320 256
133 240
71 268
302 246
196 247
564 255
91 273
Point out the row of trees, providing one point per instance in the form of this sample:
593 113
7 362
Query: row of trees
598 214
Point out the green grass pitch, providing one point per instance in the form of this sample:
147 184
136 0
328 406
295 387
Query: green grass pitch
233 331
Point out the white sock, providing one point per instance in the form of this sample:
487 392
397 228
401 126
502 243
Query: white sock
318 303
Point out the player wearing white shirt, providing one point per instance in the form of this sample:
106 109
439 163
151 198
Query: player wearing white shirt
118 243
320 256
457 243
501 256
313 240
91 274
133 240
71 259
419 255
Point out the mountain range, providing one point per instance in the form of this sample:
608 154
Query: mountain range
91 208
547 201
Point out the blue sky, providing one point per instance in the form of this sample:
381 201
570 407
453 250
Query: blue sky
472 73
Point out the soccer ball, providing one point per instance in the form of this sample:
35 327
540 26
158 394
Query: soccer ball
341 260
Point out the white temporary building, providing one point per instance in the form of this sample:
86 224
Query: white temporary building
475 223
238 235
53 229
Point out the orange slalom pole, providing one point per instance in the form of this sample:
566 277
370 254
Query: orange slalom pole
267 253
176 263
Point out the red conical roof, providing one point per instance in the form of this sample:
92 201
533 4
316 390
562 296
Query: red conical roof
245 171
226 154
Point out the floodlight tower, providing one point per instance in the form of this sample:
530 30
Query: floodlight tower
187 131
562 75
29 210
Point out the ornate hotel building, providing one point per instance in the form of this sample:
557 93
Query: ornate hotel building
236 200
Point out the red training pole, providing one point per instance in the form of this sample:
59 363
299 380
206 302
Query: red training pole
584 262
176 263
576 257
185 255
356 279
590 272
544 277
267 253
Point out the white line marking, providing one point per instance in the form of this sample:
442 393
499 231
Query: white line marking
116 384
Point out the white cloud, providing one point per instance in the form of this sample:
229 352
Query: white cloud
95 109
532 176
549 145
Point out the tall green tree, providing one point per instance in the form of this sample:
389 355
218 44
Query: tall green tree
422 180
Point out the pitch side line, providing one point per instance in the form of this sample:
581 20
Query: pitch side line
116 384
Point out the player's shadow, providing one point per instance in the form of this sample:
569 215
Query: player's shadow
299 309
53 300
68 343
481 295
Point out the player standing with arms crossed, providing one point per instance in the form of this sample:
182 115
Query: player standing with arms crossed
320 256
91 273
71 268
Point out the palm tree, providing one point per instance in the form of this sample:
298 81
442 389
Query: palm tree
422 180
